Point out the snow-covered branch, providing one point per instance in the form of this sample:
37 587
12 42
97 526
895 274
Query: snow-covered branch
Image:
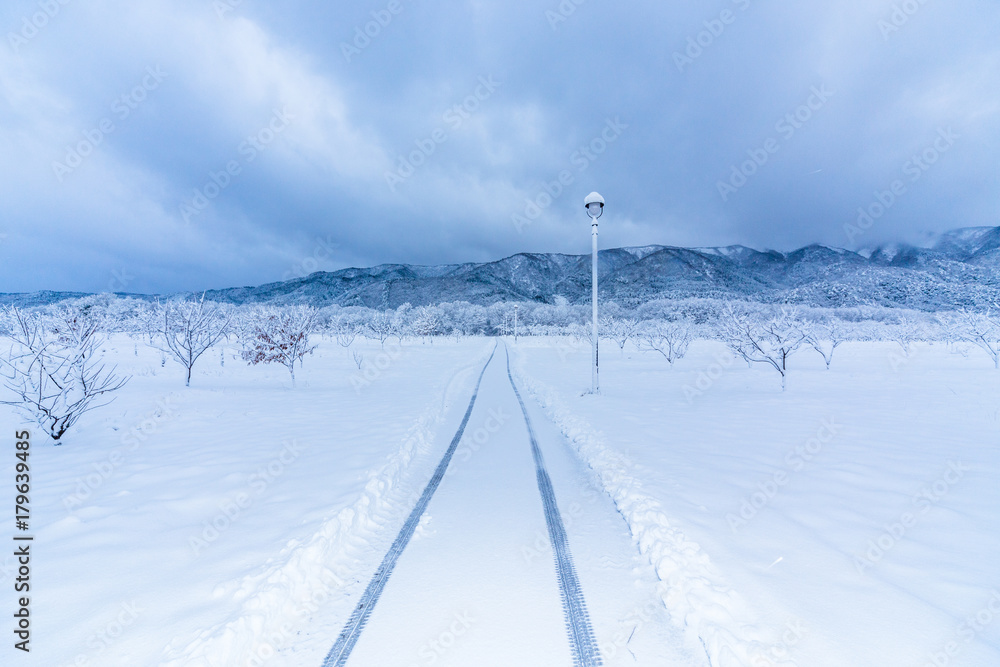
57 375
188 328
279 335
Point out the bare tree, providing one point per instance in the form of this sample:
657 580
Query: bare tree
345 327
905 333
399 321
149 315
669 338
358 359
980 329
619 329
58 375
825 338
345 335
380 326
280 335
763 340
73 327
189 328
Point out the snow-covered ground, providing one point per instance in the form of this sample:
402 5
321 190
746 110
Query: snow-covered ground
852 520
478 585
175 512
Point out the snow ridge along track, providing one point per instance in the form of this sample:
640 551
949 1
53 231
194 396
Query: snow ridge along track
581 634
341 650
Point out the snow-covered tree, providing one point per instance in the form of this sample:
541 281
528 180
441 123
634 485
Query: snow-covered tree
425 322
906 332
279 336
669 338
469 319
188 328
56 375
345 329
149 320
981 329
379 326
124 315
619 329
825 338
400 321
74 326
345 336
761 339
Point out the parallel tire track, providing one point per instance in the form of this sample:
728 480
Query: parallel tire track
342 648
581 634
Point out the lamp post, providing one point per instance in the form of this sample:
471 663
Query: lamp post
594 203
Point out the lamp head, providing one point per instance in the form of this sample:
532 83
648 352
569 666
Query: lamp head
594 204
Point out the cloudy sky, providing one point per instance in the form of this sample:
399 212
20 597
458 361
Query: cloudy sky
171 145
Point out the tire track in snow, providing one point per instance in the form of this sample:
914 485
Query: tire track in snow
341 651
581 634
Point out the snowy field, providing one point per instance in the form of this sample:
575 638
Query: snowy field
161 517
851 520
857 515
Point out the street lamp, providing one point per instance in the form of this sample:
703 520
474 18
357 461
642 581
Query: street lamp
594 203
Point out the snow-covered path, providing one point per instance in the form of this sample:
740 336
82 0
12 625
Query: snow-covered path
478 582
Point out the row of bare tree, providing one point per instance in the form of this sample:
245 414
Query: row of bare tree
54 365
55 370
770 337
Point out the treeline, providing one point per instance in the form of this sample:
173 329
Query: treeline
53 367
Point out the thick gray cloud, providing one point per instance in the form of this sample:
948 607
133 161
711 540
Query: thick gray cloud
183 144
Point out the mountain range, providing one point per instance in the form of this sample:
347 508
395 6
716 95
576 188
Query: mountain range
959 268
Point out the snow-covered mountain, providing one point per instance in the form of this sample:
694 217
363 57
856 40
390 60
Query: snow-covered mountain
959 268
